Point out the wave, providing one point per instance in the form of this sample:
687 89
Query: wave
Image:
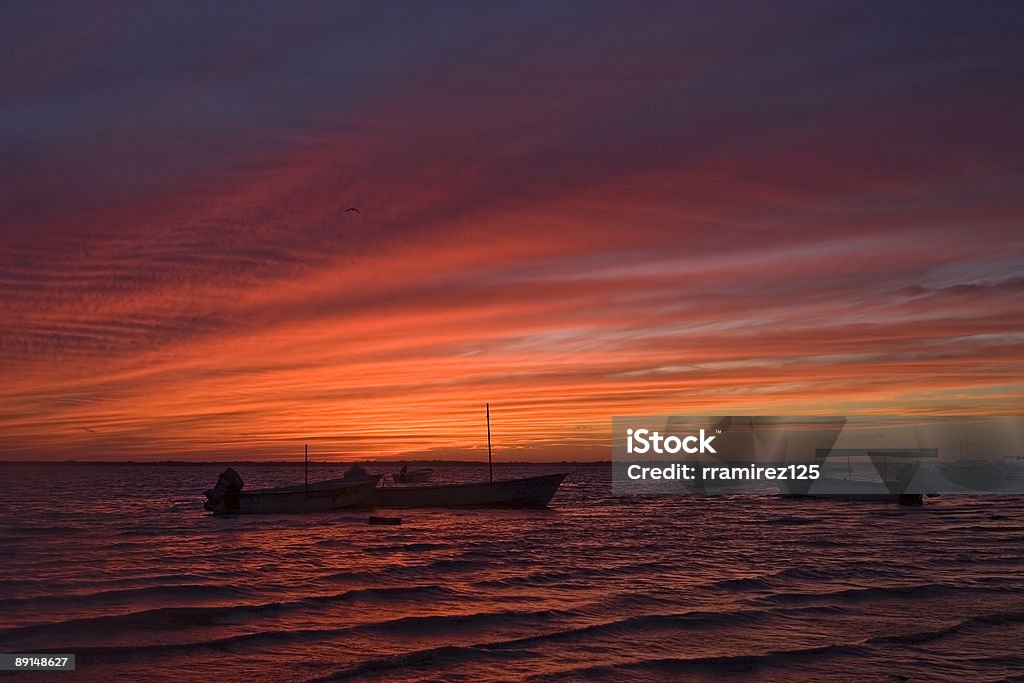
526 647
438 567
694 620
719 667
418 547
781 658
779 521
861 594
531 579
523 647
408 662
559 577
994 619
171 618
576 575
148 593
26 530
406 627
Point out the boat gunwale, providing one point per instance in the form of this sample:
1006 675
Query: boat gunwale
317 487
415 486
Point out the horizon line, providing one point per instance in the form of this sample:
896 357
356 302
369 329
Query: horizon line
299 462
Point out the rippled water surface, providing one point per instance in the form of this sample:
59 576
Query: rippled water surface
120 565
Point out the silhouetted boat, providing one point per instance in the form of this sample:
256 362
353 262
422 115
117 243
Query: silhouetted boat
413 476
528 492
1005 474
894 478
228 498
840 489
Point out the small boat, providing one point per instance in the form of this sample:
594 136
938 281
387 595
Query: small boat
407 476
840 489
227 497
528 492
895 482
984 476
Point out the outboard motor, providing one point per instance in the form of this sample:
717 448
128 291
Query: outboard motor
229 485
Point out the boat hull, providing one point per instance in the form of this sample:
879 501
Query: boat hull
413 476
529 492
983 476
842 489
320 497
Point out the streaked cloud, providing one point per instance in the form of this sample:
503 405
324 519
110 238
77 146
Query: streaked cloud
569 211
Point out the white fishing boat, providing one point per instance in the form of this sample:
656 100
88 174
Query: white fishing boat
895 472
839 489
228 498
984 476
527 492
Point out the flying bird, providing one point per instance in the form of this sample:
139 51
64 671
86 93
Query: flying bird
352 209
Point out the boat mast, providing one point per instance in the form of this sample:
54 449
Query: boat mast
307 466
490 462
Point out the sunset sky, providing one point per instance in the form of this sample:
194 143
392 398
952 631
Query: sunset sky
570 210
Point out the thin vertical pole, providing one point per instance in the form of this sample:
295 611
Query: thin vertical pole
490 462
307 465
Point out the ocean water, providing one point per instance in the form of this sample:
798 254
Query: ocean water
120 565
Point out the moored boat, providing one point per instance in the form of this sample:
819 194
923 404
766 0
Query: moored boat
528 492
323 496
895 481
841 489
984 476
